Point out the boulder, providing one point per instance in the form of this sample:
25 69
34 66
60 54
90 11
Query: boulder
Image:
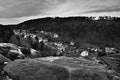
2 61
112 63
8 45
10 51
30 53
58 68
13 54
34 53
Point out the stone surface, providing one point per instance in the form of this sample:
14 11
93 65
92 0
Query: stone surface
10 51
112 62
58 68
13 46
2 61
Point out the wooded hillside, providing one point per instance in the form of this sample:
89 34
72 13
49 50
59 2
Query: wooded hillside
85 30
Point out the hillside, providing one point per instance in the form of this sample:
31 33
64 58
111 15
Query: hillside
83 30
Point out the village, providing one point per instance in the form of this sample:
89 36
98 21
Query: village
49 44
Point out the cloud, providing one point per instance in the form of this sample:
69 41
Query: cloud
115 8
19 10
27 8
105 10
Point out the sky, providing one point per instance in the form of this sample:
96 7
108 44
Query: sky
17 11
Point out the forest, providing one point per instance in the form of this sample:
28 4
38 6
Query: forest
104 31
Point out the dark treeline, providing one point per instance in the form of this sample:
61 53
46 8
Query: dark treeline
5 33
105 31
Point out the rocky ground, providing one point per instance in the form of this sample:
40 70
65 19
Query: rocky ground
58 68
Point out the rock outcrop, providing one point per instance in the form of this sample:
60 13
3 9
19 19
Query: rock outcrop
2 61
112 62
58 68
10 51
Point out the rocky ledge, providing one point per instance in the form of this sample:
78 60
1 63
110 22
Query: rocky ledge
58 68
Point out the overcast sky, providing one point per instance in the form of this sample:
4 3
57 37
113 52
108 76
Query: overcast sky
16 11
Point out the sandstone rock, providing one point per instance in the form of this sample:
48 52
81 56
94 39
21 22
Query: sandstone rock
10 45
35 53
10 51
57 68
30 53
112 63
13 54
2 61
